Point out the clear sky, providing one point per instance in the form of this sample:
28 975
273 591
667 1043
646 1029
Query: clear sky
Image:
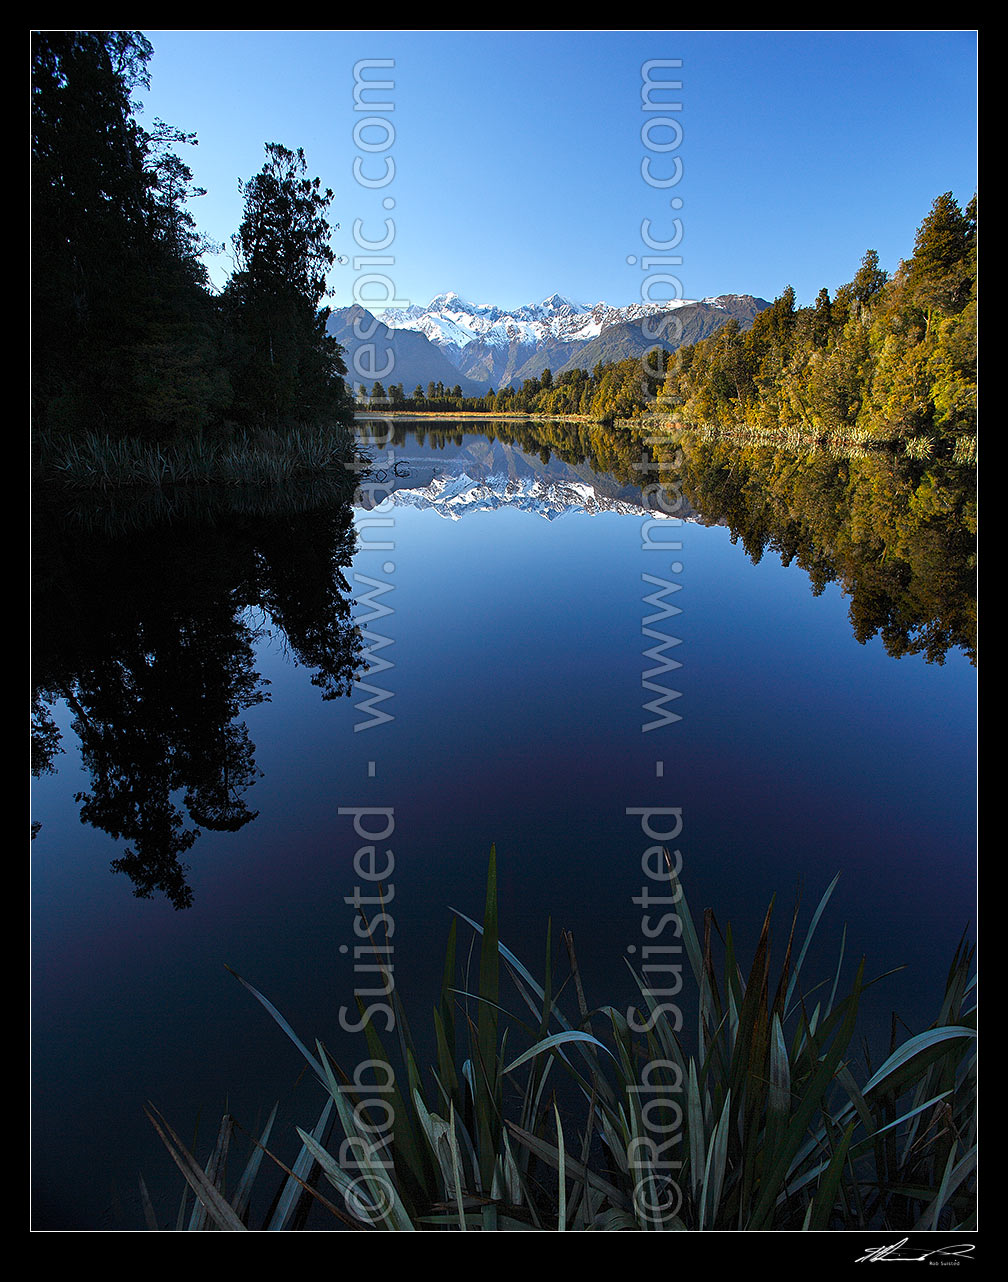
513 159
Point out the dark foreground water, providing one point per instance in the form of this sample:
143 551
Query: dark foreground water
220 741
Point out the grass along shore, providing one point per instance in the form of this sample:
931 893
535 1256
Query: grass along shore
104 462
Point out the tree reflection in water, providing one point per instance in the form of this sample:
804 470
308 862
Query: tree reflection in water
149 637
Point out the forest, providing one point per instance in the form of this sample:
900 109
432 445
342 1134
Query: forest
130 344
886 359
618 390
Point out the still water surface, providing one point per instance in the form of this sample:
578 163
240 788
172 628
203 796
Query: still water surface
201 680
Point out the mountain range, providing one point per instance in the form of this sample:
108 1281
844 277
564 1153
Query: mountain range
479 346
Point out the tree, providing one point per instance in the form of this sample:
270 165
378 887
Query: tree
822 318
123 338
940 271
869 279
291 368
171 187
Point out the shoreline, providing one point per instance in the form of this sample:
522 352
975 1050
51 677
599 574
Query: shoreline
480 415
744 434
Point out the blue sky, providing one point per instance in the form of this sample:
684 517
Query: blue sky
517 155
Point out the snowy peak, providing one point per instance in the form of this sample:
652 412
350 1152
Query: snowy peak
449 301
726 301
449 321
557 302
554 306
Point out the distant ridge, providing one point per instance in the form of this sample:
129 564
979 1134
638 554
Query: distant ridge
373 352
669 329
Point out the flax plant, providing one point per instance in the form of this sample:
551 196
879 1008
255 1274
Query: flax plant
754 1115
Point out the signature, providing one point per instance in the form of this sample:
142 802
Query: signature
899 1252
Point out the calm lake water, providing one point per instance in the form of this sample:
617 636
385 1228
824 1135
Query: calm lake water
216 750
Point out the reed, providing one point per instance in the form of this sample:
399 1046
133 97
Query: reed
95 462
752 1115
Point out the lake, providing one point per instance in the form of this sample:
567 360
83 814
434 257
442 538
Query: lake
567 633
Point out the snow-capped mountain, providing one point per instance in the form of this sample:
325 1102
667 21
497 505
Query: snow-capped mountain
449 321
495 347
483 345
